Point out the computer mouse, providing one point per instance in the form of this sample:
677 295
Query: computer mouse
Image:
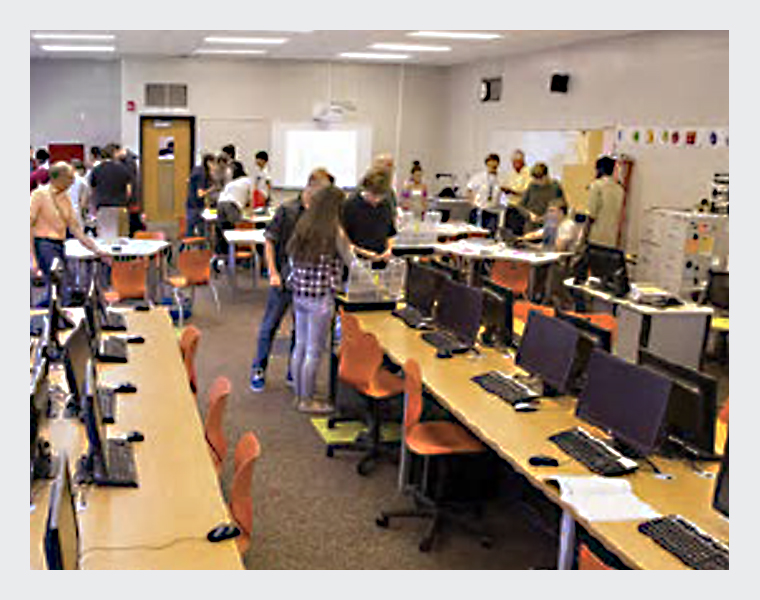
443 354
125 388
143 307
134 436
136 339
542 460
222 532
525 407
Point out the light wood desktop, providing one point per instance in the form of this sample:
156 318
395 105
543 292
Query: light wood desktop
518 436
163 523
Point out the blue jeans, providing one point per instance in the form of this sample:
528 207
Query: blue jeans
46 250
194 226
278 301
488 219
313 319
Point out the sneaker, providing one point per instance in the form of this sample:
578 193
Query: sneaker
315 407
258 380
289 381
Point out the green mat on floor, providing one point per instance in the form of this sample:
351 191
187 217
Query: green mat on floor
346 431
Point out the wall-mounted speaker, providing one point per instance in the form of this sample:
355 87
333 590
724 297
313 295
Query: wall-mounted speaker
490 89
559 83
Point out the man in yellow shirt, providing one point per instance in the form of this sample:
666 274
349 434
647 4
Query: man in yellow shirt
605 204
518 179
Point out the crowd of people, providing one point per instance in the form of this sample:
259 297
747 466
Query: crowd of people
314 237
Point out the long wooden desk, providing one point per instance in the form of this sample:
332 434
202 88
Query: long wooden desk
518 436
163 523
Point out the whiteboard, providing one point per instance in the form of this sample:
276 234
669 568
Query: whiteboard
554 148
299 148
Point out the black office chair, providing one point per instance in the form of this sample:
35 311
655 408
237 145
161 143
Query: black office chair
716 296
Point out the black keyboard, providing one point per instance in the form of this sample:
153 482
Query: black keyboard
593 453
113 321
120 470
412 317
688 544
107 402
445 341
505 387
37 323
113 350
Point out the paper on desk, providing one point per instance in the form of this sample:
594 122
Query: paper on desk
603 499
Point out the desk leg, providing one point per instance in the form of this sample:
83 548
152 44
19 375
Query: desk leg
566 542
231 266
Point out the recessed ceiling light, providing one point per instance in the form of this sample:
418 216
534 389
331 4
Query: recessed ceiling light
78 48
411 47
373 55
73 36
228 51
456 35
244 40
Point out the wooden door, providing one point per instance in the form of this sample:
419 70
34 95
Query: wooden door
164 173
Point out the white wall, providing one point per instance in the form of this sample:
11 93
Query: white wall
75 101
650 79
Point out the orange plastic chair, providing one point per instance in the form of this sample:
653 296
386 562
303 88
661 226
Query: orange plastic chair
360 368
128 279
512 275
213 427
188 345
349 326
194 264
430 439
521 309
588 561
244 251
603 320
150 235
247 453
723 415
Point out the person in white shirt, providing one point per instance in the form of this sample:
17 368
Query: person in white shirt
234 199
79 192
262 182
484 191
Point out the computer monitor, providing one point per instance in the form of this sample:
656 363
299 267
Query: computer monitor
93 422
602 337
38 400
497 315
693 406
608 265
423 284
555 351
77 351
514 222
459 310
627 401
720 498
62 530
92 315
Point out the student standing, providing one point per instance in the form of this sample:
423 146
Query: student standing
279 298
111 184
79 192
318 251
414 193
199 185
484 192
517 180
40 174
262 182
605 204
541 191
368 217
233 200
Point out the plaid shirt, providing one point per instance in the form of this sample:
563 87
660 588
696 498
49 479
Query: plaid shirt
315 280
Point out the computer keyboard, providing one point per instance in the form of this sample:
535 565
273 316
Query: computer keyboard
688 544
107 402
113 321
113 350
505 387
411 317
593 453
445 341
121 470
37 324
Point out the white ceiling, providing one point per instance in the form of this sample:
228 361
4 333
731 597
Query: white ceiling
326 45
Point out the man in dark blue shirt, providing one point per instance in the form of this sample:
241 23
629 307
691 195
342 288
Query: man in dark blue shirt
280 298
198 187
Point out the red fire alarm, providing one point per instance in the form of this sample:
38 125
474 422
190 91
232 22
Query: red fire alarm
131 106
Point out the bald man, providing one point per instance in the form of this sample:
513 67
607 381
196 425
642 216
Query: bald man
50 215
517 180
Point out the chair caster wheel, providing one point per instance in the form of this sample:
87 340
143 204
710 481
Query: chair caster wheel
382 521
364 468
330 452
426 545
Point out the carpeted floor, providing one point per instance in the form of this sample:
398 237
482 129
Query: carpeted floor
314 512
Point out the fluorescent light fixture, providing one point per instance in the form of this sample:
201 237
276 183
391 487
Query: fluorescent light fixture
228 51
373 56
74 36
455 35
244 40
411 47
78 48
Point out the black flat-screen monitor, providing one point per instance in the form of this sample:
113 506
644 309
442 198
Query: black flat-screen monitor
693 406
38 400
92 314
62 530
602 337
423 285
628 401
608 265
514 222
93 421
77 351
459 310
720 498
553 350
497 315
